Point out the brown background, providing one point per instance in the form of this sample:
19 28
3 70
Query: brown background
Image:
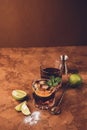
26 23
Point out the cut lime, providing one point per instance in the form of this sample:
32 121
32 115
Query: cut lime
19 94
18 107
25 110
75 79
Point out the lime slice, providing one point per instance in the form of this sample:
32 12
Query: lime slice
25 110
19 94
75 79
18 107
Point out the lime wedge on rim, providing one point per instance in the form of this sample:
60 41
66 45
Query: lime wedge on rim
18 107
25 110
19 94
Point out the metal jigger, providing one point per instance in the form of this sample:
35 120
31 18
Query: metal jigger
63 64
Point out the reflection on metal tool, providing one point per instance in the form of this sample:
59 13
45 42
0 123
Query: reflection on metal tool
56 109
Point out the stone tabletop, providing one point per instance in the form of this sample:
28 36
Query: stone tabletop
19 67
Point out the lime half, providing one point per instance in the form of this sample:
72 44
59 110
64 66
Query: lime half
75 79
25 110
19 94
18 107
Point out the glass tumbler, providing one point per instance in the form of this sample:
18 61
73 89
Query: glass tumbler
49 69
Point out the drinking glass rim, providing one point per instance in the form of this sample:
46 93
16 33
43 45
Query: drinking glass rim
42 69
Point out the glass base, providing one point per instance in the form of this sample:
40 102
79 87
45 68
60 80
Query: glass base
44 103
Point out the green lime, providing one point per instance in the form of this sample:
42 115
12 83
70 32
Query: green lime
18 107
19 94
25 110
75 80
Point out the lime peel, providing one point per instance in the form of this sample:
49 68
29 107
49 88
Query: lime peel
75 79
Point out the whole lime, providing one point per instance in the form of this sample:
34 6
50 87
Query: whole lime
75 80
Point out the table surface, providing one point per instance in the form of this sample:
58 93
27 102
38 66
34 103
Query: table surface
20 66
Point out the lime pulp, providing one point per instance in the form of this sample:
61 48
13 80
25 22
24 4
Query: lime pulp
19 94
25 110
18 107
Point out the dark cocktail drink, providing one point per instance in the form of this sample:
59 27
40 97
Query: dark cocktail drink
46 73
43 102
44 94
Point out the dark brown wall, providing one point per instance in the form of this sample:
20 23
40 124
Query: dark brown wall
42 22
